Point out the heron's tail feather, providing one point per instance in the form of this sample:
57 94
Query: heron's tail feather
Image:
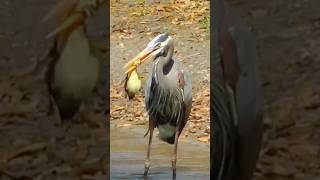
167 132
169 140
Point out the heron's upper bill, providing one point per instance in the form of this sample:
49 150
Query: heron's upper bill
69 24
153 49
143 56
72 13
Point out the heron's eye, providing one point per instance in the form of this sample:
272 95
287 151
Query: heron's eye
158 45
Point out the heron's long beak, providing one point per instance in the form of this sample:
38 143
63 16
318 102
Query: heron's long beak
69 24
143 56
61 10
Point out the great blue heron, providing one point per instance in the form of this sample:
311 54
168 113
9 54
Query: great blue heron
168 96
76 66
237 106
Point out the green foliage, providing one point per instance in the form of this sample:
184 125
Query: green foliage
141 2
141 12
167 29
205 21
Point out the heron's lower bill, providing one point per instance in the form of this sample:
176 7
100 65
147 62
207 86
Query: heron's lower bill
140 58
70 23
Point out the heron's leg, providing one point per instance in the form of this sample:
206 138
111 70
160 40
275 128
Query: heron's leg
55 110
147 162
174 159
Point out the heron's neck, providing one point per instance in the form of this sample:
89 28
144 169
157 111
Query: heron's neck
168 56
164 65
166 60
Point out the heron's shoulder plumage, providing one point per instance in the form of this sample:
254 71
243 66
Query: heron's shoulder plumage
185 76
150 85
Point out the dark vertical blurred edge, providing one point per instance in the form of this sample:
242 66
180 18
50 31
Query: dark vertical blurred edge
214 21
107 85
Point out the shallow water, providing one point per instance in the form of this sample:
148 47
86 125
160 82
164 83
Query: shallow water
128 152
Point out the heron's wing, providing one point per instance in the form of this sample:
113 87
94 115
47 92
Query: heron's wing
150 86
148 90
184 80
185 84
224 136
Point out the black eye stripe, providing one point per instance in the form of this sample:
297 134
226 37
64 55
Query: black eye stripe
162 38
158 40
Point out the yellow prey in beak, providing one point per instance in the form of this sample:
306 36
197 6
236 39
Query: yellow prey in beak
132 84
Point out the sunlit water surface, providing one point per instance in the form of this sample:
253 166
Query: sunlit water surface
128 152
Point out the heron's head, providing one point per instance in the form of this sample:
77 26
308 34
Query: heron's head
158 46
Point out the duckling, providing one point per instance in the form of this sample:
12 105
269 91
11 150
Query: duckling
76 69
132 83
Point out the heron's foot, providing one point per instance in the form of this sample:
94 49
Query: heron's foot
66 124
57 119
174 162
146 167
78 118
